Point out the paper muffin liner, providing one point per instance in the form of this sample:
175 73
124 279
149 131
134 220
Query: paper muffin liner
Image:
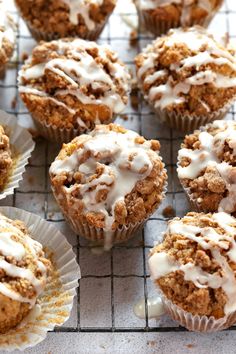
22 145
188 123
61 135
197 323
57 299
99 235
158 26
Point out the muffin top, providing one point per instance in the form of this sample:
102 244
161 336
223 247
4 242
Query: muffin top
183 11
195 264
207 166
187 72
110 177
74 83
7 36
5 157
66 17
23 266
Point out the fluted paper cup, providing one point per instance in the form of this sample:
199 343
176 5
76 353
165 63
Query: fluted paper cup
22 145
55 304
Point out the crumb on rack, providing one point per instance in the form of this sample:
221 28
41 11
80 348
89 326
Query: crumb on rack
133 39
124 117
14 103
24 56
168 212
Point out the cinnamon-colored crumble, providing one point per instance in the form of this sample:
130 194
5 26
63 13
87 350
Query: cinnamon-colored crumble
6 162
7 28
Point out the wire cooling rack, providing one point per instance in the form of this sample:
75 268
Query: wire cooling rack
114 281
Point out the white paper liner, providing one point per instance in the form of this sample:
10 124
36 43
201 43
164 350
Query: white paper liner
98 235
23 145
55 310
197 323
188 123
159 27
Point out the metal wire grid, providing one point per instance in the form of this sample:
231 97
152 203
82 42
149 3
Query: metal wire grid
123 270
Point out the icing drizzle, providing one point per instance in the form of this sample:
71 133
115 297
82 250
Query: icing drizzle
83 74
206 155
161 264
124 163
14 243
204 51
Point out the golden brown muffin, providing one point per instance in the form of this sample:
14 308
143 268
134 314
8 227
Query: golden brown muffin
207 167
23 272
158 16
6 162
195 264
74 84
187 77
52 19
7 39
108 179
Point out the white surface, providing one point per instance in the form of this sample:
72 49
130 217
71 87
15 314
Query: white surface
126 263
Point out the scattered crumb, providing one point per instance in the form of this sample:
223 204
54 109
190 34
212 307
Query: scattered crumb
151 343
133 39
31 179
24 56
13 103
50 215
168 212
124 117
134 98
190 346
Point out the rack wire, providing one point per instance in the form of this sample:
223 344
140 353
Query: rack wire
112 282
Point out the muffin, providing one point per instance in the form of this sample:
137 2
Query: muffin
108 183
53 19
159 16
23 272
7 40
6 162
187 77
70 85
194 268
207 167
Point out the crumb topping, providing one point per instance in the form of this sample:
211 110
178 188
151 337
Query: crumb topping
23 266
207 166
195 264
187 71
6 161
186 11
78 79
110 177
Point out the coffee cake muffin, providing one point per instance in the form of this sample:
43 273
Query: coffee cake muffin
70 85
23 272
158 16
187 77
7 39
53 19
6 162
207 167
108 183
194 267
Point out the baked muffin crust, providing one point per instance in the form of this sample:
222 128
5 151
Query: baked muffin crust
207 166
23 272
74 83
187 72
195 264
7 38
6 162
65 18
109 178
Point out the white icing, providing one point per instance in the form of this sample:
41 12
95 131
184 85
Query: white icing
9 247
81 71
155 308
206 156
82 8
186 7
161 264
208 53
124 161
